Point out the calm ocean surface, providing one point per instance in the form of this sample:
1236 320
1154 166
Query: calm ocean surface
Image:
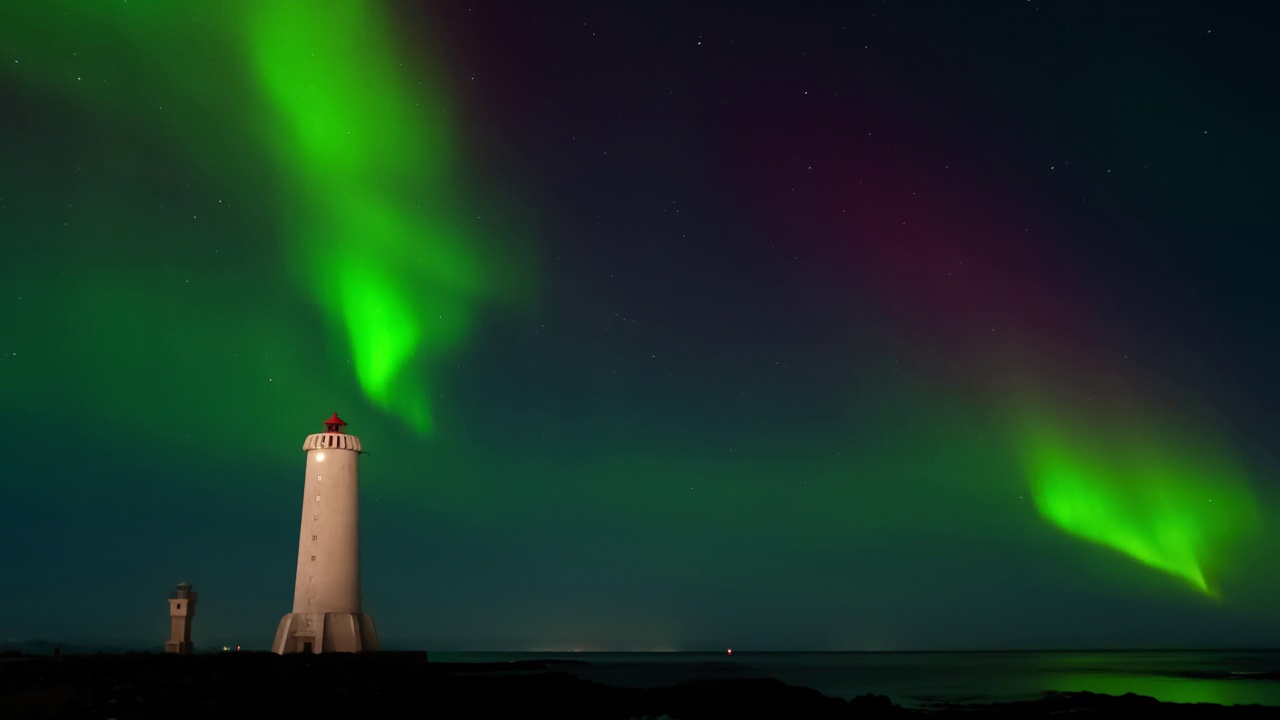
919 679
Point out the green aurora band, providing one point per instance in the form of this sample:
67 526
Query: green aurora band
363 191
381 242
1173 503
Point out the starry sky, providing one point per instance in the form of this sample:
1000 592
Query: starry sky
667 326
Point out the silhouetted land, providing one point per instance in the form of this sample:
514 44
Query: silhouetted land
406 685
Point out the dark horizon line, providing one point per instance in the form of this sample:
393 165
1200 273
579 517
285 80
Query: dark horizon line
211 647
1268 648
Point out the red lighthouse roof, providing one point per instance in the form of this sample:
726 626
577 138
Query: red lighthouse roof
334 424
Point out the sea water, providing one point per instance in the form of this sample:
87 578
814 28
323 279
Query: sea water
920 679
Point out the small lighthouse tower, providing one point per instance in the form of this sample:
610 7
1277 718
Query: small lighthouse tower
182 610
326 613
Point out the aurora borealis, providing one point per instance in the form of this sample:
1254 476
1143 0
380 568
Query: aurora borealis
886 327
386 250
1170 506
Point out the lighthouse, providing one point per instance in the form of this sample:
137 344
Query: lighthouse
182 610
326 613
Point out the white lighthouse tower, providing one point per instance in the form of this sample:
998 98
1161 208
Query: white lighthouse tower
326 613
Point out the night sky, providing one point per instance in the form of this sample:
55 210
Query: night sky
667 325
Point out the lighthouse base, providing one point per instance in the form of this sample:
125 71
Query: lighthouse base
325 632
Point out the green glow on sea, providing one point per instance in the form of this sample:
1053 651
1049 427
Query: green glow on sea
1171 502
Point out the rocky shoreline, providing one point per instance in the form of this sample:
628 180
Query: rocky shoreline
407 685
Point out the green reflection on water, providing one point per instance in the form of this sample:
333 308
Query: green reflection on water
1172 689
1164 676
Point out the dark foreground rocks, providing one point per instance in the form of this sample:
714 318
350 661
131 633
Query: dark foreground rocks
405 685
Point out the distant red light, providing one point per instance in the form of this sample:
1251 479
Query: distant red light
730 651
